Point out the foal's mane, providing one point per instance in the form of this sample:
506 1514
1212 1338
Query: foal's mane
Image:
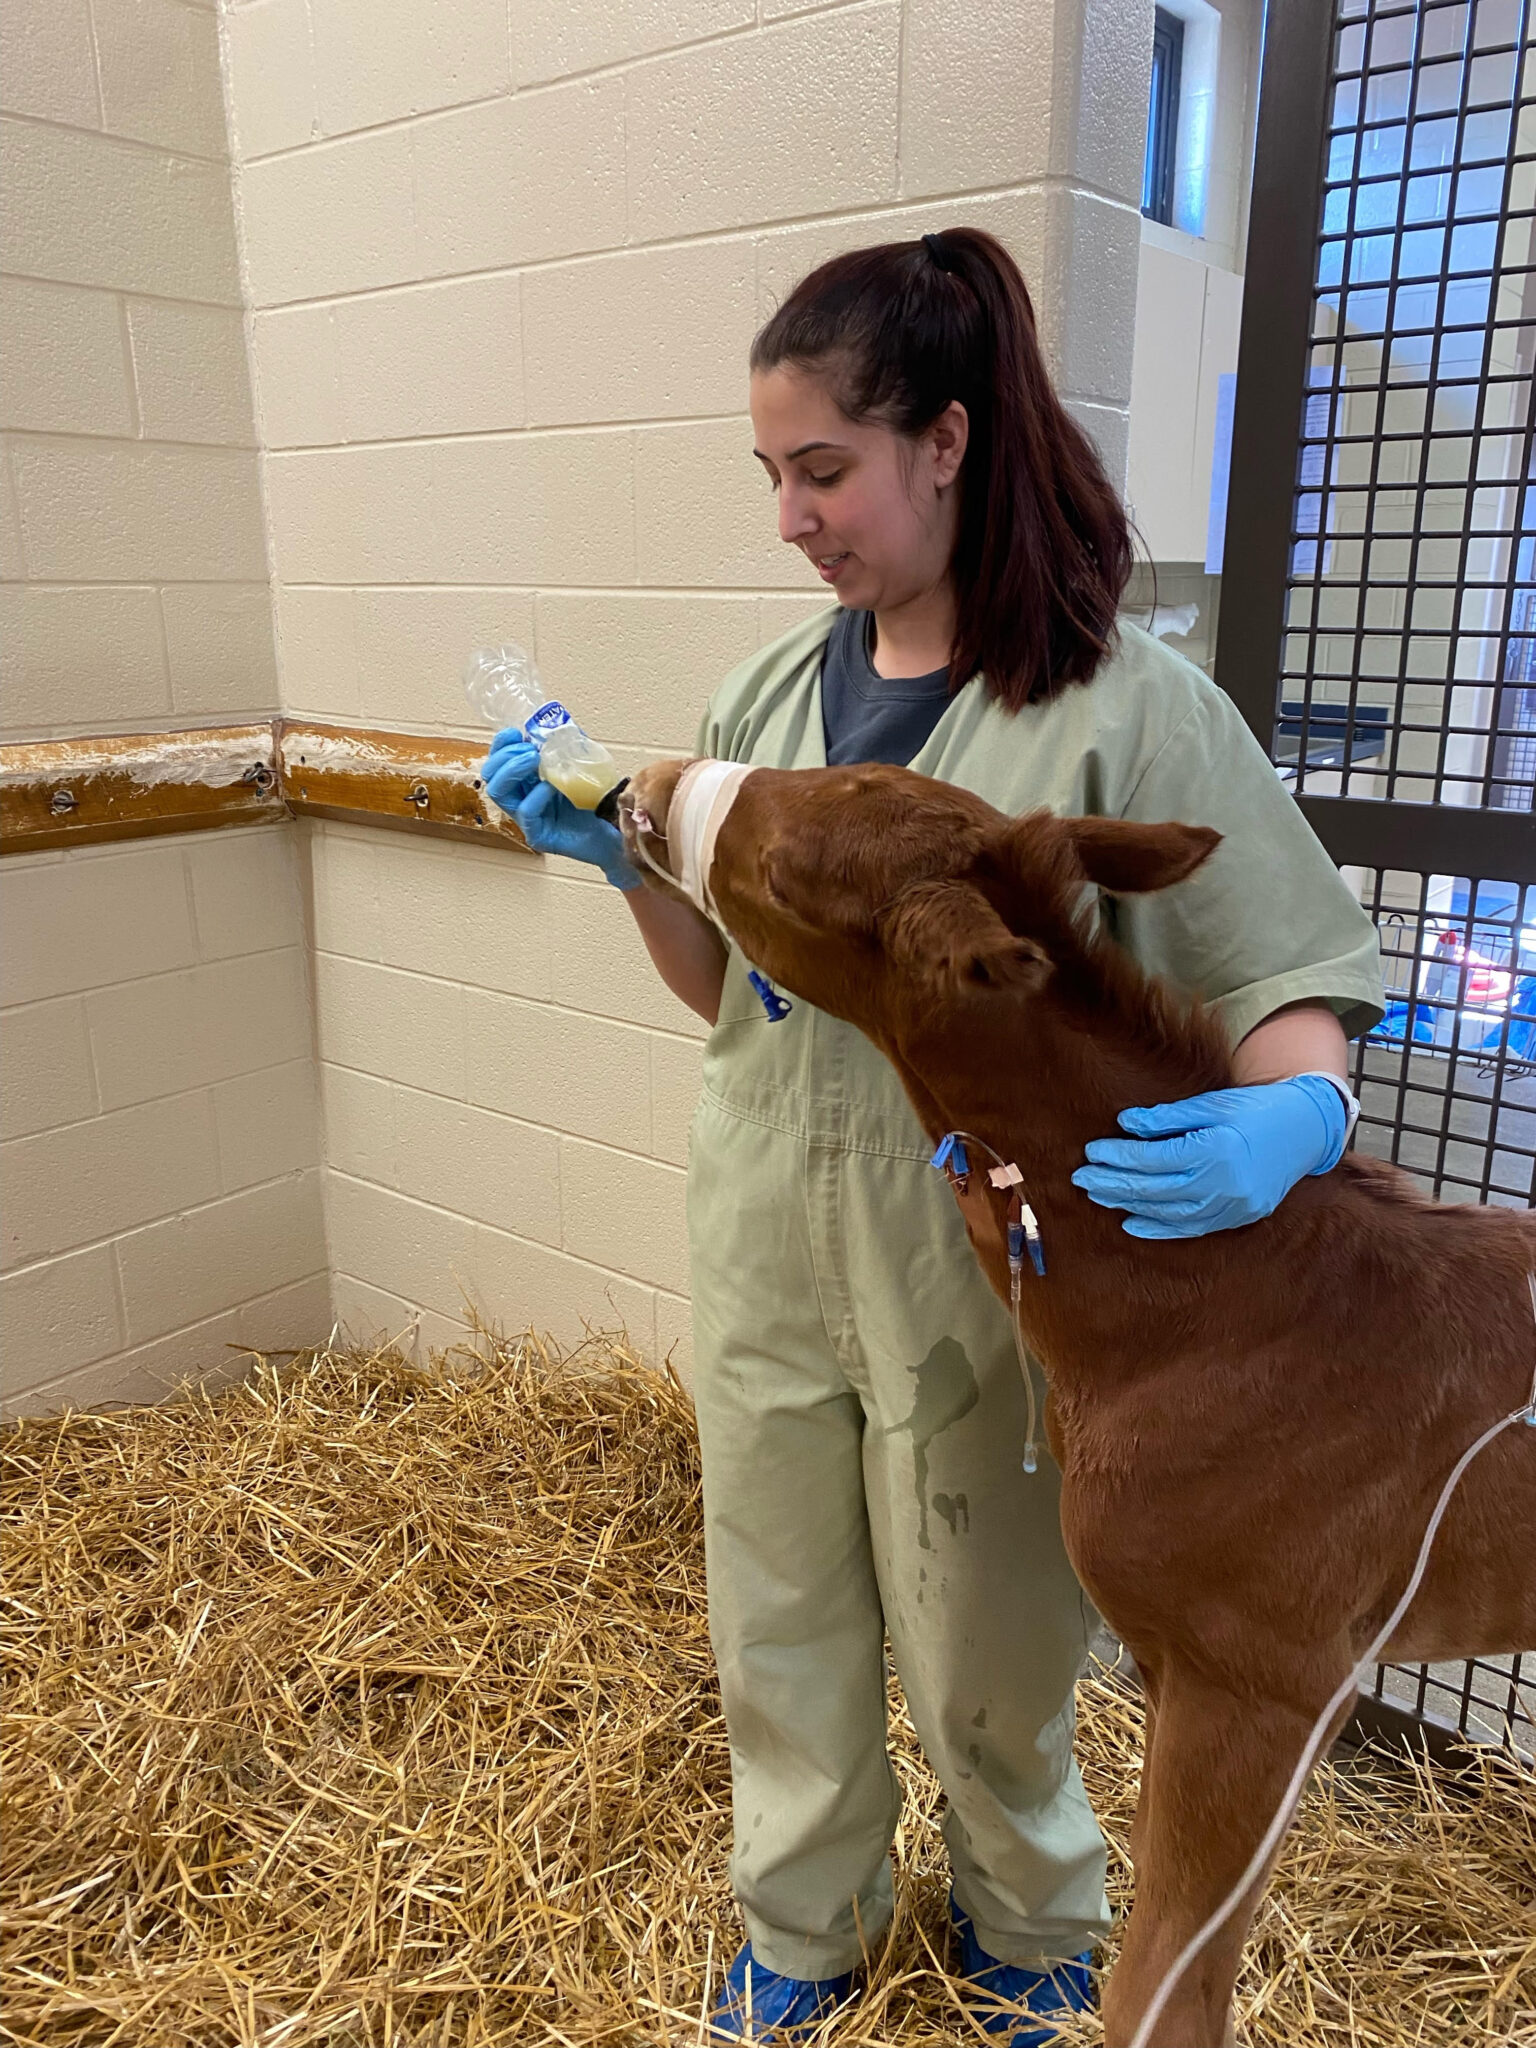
1103 981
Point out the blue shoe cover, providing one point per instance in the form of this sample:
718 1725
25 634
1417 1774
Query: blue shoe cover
1066 1988
784 2010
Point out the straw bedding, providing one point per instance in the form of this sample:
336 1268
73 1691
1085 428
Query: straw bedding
364 1703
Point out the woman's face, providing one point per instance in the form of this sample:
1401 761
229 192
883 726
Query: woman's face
874 512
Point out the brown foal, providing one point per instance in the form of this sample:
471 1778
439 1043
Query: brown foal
1252 1427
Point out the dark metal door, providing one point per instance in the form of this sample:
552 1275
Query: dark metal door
1378 612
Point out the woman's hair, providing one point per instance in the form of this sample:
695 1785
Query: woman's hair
1043 549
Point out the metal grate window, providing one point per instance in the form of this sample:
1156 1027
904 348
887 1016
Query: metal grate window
1447 1087
1447 1081
1379 588
1408 665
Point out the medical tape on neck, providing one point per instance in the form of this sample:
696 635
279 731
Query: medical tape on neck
704 795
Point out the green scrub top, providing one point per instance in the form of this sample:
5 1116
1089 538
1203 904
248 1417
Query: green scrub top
1268 920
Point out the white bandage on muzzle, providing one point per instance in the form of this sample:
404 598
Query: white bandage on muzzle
704 794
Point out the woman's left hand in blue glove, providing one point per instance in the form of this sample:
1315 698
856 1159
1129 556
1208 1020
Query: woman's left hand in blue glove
1216 1161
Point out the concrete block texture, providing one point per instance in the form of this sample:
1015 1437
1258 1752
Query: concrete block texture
46 1077
371 1315
676 1077
96 1179
503 267
158 64
200 1025
117 511
582 1075
480 187
218 641
411 645
534 508
67 370
90 209
995 92
270 56
81 658
538 508
294 375
359 1124
991 121
77 923
800 119
190 373
658 334
1017 217
344 916
56 1316
267 1124
432 359
638 667
437 359
317 651
338 217
705 511
212 1351
161 1159
201 1261
401 1027
551 40
47 65
447 1263
13 562
246 893
515 180
674 1335
1092 253
626 1212
502 1170
158 1035
381 60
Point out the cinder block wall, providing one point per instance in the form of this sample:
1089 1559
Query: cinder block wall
499 279
160 1155
503 284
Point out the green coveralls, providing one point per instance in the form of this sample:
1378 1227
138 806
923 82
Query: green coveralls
859 1400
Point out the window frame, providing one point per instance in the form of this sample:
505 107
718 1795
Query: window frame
1160 166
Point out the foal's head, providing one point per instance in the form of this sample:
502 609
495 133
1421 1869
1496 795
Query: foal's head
893 900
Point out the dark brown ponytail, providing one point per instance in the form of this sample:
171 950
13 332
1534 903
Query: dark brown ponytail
1043 549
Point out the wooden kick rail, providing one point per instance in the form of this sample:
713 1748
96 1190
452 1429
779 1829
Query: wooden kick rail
56 793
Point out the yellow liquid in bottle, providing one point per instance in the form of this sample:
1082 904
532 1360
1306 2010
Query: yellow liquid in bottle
583 782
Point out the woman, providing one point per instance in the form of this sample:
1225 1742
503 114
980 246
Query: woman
859 1402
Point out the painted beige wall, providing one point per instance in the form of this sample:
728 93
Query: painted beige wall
498 290
502 288
160 1155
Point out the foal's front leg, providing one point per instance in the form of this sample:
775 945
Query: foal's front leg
1216 1769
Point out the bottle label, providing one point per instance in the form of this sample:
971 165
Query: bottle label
547 719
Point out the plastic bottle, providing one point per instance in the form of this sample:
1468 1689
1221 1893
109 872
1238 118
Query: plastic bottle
503 688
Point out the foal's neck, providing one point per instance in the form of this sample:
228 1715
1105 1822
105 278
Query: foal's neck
1035 1077
1041 1073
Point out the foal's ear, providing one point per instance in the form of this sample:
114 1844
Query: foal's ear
948 936
1127 859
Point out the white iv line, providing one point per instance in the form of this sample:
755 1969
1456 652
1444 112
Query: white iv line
1314 1743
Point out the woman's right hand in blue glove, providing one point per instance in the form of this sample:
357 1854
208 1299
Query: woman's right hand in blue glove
549 821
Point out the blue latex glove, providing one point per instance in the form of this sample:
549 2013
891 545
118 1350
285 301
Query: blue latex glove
1217 1161
549 821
